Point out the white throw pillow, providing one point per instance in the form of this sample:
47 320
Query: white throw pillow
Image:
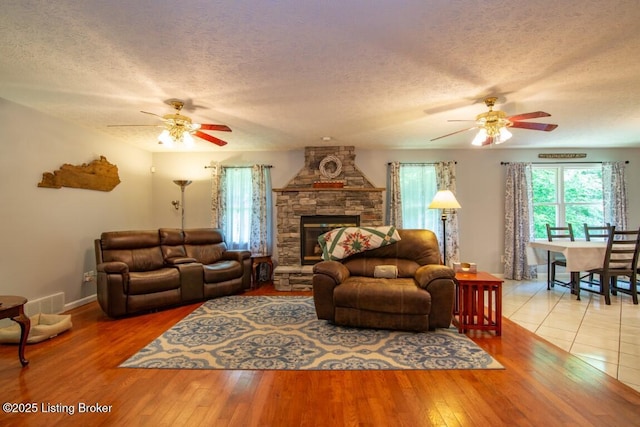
385 271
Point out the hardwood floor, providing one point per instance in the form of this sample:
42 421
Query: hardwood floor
541 385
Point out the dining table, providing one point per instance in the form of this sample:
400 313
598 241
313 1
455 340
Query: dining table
580 255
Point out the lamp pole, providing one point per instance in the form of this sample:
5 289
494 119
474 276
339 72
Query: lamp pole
182 183
443 217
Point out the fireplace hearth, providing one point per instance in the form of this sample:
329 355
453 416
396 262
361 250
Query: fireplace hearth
312 226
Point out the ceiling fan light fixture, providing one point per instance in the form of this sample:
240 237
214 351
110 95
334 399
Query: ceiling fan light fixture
187 139
177 133
504 135
165 138
481 136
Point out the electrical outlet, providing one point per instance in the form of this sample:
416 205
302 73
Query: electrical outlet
88 276
502 259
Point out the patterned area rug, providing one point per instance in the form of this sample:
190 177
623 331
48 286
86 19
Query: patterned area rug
273 332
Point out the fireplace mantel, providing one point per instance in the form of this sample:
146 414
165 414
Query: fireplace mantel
301 189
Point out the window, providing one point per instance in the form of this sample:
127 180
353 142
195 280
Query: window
237 199
241 206
417 188
567 194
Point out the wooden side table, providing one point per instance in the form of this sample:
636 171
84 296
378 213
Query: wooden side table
256 260
473 290
12 307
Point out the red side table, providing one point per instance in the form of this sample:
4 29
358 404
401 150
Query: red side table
474 290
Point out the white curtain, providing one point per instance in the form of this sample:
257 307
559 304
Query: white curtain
418 186
411 188
236 214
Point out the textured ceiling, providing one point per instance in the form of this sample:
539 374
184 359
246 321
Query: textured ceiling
370 73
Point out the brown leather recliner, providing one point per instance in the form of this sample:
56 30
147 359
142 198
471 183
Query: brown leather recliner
420 298
224 272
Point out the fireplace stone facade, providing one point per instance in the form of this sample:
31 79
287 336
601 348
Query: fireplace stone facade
300 198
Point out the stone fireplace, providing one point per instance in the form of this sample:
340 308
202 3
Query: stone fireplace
312 226
340 190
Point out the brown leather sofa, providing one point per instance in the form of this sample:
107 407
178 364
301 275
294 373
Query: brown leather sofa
150 269
420 298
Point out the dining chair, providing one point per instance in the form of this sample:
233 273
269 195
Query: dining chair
620 260
596 232
557 233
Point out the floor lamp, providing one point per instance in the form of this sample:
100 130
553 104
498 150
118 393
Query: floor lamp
445 200
182 183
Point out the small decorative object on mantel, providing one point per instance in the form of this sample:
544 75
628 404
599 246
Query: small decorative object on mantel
562 155
98 175
328 184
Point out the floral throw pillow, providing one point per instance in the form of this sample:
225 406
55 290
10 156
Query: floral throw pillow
343 242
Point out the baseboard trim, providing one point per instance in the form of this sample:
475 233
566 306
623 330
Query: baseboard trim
80 302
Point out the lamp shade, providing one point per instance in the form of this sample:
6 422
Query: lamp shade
182 182
444 199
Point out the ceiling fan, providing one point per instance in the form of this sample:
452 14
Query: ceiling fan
179 128
494 123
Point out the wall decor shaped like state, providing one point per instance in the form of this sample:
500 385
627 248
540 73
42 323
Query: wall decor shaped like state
98 175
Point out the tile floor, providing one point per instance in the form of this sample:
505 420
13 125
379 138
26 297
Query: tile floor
605 336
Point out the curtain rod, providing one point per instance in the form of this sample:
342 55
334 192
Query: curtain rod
418 163
237 167
556 163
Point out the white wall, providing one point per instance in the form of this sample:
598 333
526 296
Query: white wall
47 234
172 166
480 186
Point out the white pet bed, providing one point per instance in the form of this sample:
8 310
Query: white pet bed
43 327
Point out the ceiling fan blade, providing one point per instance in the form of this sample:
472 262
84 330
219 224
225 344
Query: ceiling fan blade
152 114
534 126
210 138
155 126
453 133
223 128
526 116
